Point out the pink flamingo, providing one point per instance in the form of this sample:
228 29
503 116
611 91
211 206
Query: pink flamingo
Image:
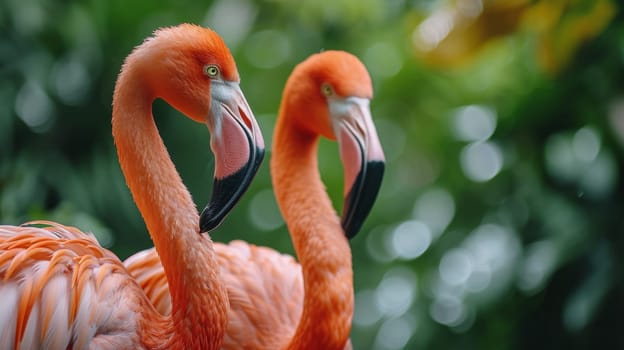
61 290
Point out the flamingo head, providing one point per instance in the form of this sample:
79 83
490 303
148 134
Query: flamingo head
192 69
336 89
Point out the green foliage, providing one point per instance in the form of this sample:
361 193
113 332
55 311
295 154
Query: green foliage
498 225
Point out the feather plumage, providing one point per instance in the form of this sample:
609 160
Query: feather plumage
59 290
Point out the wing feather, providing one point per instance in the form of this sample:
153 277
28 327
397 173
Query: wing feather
60 289
30 339
55 314
146 269
10 298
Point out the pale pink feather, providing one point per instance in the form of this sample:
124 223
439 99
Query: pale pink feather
60 289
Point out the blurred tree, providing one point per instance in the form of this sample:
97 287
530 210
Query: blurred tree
499 222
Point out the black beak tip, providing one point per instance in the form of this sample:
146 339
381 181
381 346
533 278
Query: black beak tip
351 228
258 159
361 198
227 192
209 219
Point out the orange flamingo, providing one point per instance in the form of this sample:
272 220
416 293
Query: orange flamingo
276 303
61 290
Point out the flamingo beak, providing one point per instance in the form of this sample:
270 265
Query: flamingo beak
238 149
362 158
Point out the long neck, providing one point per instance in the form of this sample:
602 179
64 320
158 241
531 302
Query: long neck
199 302
318 238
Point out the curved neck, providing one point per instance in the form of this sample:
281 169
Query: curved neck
171 218
318 238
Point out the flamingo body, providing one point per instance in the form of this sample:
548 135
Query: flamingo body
275 302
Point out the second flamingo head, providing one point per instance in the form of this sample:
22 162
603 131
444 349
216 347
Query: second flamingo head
336 89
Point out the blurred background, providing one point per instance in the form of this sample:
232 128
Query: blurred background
499 222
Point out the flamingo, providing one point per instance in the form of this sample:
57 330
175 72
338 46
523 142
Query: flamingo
61 290
275 302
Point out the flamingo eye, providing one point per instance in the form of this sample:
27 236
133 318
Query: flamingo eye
327 90
212 70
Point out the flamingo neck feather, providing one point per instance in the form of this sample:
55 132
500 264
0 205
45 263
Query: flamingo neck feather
317 235
199 302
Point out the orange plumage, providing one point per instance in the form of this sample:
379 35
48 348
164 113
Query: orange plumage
61 290
276 303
